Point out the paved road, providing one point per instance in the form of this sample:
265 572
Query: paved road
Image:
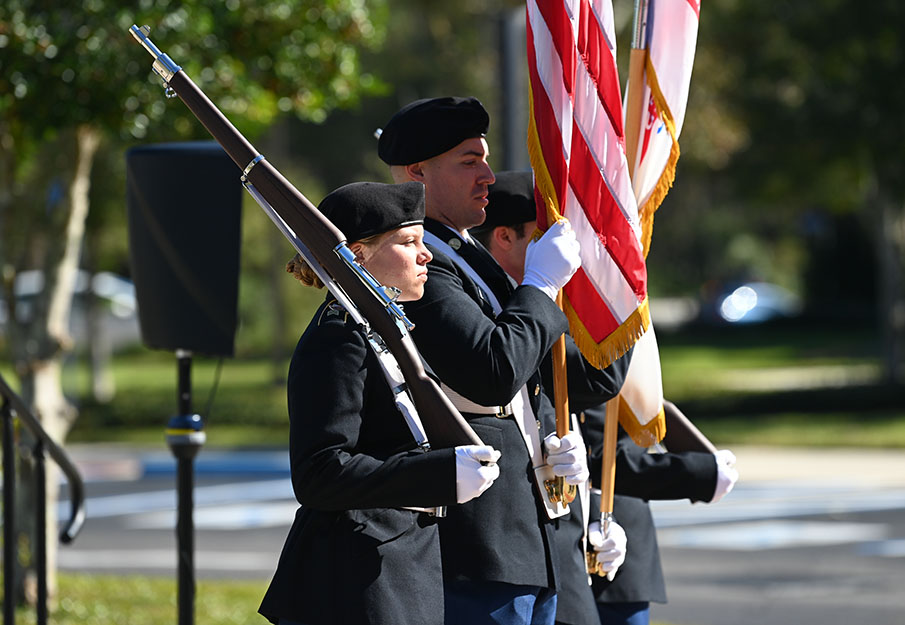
807 537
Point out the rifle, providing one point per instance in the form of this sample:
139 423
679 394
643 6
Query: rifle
324 248
682 434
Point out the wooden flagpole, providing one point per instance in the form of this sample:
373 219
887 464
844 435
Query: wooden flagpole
633 111
562 492
607 477
634 106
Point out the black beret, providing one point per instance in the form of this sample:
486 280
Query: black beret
363 209
510 200
426 128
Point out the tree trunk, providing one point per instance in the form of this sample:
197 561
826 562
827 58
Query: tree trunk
892 287
46 341
100 351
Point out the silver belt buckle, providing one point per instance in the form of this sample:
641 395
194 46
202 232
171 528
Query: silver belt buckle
435 511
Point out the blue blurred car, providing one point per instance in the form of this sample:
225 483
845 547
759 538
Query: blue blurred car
756 302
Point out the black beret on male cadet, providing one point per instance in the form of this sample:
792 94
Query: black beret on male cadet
363 209
510 200
426 128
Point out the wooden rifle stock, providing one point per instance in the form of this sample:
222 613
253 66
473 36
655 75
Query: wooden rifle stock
682 434
443 424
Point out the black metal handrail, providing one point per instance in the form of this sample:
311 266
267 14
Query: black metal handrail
13 406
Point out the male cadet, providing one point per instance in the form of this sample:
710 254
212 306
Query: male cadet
484 338
640 476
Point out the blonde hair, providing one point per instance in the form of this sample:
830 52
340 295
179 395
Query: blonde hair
302 272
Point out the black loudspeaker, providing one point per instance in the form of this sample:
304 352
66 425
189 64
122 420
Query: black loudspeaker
185 209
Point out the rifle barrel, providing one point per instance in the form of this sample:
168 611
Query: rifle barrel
443 423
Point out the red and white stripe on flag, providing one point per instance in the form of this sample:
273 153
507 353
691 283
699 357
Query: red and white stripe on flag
672 38
577 148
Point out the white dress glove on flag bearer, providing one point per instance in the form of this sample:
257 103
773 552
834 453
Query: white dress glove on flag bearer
610 548
473 477
567 457
726 474
553 259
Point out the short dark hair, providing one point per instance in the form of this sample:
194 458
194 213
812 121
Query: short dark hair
510 202
482 233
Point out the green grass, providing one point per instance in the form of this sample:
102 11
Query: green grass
719 361
784 385
246 407
142 600
878 429
772 385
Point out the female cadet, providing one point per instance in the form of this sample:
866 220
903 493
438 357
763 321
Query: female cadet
357 551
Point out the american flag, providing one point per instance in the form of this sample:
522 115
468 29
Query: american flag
576 143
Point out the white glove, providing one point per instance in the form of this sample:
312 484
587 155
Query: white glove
473 477
551 260
568 457
610 548
726 474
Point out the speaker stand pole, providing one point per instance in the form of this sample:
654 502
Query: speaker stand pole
185 436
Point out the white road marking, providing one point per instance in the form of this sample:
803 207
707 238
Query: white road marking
143 559
139 503
238 516
885 548
761 535
770 502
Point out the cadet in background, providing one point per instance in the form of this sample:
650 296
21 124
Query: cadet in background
623 597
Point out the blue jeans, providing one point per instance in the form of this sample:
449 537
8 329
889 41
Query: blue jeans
635 613
497 603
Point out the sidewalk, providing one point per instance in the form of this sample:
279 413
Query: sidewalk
112 461
842 466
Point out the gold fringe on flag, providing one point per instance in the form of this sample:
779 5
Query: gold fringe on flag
646 434
541 173
614 346
668 176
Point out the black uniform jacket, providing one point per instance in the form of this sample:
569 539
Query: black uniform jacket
640 477
575 603
352 554
504 535
574 600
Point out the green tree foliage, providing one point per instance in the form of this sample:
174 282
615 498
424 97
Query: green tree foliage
815 85
73 80
793 128
432 48
67 66
62 67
